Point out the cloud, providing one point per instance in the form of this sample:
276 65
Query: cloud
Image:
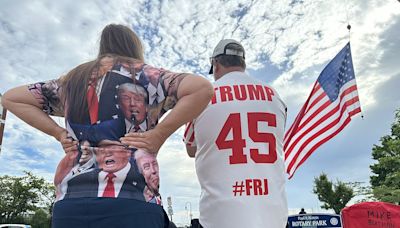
287 43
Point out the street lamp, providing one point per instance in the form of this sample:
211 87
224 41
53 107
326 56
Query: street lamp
190 210
170 211
3 113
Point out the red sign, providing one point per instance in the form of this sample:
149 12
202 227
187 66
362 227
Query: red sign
371 215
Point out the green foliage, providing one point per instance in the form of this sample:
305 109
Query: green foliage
362 191
40 219
334 196
21 196
386 181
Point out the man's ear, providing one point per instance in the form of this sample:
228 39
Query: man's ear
216 67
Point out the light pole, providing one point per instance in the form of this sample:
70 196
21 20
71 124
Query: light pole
189 209
170 211
3 113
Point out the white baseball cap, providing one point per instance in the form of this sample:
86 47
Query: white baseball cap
221 49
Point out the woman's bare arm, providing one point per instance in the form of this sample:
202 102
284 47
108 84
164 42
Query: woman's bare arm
21 103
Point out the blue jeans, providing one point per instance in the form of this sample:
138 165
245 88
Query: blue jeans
107 212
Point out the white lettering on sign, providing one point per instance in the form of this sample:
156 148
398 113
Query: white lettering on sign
309 223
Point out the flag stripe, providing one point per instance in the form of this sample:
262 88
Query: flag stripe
319 143
189 136
322 113
315 128
315 131
318 99
322 130
308 154
311 115
348 119
289 134
316 90
292 130
310 145
188 126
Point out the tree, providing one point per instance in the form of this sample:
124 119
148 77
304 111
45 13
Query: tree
21 196
386 181
40 219
362 191
334 196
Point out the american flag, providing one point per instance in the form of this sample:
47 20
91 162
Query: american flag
328 109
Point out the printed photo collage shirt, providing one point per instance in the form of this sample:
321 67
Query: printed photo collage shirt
124 95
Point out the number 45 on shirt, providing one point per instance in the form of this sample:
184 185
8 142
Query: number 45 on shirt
237 144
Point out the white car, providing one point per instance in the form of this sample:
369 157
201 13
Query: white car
15 226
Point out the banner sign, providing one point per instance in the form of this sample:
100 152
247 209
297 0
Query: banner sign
314 221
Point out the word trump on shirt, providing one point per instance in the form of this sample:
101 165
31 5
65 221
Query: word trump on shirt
242 93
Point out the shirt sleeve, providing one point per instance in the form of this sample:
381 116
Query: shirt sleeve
170 83
48 95
188 136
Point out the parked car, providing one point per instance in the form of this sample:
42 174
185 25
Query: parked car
15 226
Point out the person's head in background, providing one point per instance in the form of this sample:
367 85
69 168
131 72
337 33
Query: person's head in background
228 56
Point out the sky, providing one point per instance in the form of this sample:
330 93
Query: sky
287 43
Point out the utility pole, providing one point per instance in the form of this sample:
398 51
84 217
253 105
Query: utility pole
189 209
3 113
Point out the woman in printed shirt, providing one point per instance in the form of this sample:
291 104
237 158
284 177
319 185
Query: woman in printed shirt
98 181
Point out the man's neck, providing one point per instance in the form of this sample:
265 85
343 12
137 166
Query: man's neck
228 70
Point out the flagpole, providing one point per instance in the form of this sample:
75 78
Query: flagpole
349 28
347 17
